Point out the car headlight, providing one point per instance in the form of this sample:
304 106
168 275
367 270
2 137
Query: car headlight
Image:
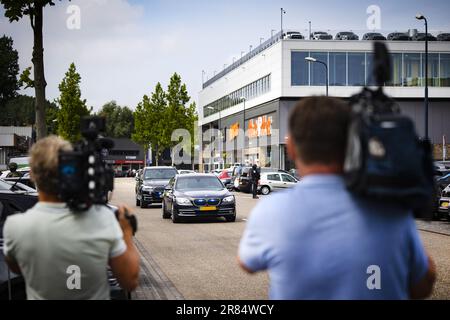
229 199
183 201
147 188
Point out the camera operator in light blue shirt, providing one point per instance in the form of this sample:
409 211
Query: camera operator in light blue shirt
319 241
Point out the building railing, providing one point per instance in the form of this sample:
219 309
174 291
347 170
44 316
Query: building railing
263 46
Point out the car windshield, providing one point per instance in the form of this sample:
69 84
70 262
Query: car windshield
198 183
160 174
4 185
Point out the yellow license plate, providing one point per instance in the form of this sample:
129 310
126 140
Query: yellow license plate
444 204
208 208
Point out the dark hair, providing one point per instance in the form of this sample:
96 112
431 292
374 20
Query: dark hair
318 126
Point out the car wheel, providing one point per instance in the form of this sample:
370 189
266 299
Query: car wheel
165 215
143 204
174 215
231 219
265 190
138 202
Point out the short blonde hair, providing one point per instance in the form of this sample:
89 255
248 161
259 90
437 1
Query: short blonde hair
44 163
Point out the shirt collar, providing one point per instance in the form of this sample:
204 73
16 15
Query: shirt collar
322 179
51 205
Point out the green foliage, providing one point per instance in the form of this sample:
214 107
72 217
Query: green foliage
157 117
25 79
19 111
119 120
72 107
150 119
16 9
9 69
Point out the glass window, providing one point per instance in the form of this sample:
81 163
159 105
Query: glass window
356 69
318 71
370 77
433 69
299 69
411 77
273 177
396 70
338 69
287 178
445 70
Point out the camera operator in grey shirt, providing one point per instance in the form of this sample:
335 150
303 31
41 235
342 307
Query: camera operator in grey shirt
63 254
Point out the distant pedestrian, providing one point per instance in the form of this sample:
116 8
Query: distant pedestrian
254 179
13 173
319 241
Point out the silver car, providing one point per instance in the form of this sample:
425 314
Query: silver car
272 181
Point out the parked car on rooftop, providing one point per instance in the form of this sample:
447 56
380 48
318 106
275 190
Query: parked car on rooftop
321 35
398 36
443 37
421 37
373 36
346 35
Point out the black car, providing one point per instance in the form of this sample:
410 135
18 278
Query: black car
443 37
398 36
421 37
346 35
150 184
197 195
373 36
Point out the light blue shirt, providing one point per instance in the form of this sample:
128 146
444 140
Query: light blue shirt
318 241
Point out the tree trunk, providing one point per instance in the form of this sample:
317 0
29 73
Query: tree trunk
156 156
39 77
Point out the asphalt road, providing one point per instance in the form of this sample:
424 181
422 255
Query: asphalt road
197 260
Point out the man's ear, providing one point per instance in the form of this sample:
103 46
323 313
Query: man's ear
291 149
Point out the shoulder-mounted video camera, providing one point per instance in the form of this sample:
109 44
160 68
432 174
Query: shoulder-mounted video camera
385 158
85 179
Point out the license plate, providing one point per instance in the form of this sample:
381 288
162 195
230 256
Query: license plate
444 204
208 208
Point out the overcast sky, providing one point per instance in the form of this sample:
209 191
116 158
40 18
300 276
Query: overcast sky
124 47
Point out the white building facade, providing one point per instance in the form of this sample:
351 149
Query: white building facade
257 92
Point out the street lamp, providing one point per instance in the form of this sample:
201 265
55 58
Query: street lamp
422 17
312 60
282 12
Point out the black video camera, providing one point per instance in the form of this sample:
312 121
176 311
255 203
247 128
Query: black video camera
85 178
385 158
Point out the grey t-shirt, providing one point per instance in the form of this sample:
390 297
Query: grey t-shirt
64 255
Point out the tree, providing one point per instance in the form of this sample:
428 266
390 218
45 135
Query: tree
19 111
119 120
150 121
9 69
180 115
72 107
15 10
